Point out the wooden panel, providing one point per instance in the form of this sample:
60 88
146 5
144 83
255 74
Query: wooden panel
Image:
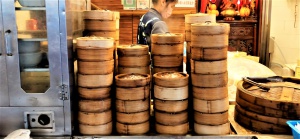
126 30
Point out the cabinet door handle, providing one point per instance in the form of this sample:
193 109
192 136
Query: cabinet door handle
8 42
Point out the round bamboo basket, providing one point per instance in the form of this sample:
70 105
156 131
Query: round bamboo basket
101 33
214 93
133 50
211 106
100 42
133 118
167 61
211 119
166 38
95 67
94 93
199 18
165 69
180 129
134 61
94 105
101 14
167 49
210 80
132 80
133 129
91 81
170 106
171 118
131 106
95 53
101 24
199 53
202 129
137 93
208 67
104 129
209 28
167 93
209 41
171 79
140 70
99 118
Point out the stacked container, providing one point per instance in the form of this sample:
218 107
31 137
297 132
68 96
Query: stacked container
209 42
132 103
171 102
95 77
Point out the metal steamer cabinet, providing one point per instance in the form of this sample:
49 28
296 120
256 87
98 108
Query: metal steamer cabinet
36 84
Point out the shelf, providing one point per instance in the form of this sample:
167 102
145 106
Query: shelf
32 35
30 8
35 70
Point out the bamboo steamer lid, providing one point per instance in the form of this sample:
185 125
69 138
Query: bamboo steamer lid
211 106
132 80
131 106
171 79
180 129
212 93
210 80
133 129
167 93
136 93
101 15
211 118
208 67
199 18
101 25
170 106
166 38
140 70
91 81
133 50
167 69
209 28
99 118
99 33
203 129
188 35
95 67
134 61
199 53
171 118
167 49
104 129
102 42
167 61
95 53
94 105
94 93
133 118
207 41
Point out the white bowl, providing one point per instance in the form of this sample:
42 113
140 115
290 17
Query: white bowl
32 3
30 59
28 46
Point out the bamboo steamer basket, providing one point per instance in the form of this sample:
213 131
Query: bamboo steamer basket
171 79
208 67
133 129
199 53
137 93
210 80
91 81
102 42
99 118
167 61
211 106
208 41
95 67
164 69
95 53
132 80
132 50
167 49
133 118
209 28
140 70
171 118
202 129
188 35
94 105
131 106
104 129
170 106
100 33
199 18
211 118
101 14
166 38
213 93
107 25
180 129
94 93
167 93
134 61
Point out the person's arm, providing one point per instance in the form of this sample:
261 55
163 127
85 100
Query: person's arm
159 27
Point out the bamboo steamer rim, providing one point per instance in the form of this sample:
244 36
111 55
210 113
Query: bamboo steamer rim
166 118
210 28
212 129
86 105
138 82
167 38
180 129
175 108
199 17
101 14
133 129
128 49
126 118
210 24
81 42
133 46
104 129
158 79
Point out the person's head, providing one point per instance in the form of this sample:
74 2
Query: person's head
164 7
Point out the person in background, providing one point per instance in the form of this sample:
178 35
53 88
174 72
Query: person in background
153 21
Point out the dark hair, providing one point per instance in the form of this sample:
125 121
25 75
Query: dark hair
167 1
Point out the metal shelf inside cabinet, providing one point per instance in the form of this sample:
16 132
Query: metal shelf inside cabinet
35 70
30 8
32 35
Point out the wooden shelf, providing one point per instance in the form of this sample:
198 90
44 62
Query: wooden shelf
177 11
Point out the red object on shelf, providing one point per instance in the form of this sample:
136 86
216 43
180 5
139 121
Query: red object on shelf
31 24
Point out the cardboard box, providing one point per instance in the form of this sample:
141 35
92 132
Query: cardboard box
142 4
129 4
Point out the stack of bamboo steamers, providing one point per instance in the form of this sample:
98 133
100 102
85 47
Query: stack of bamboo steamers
209 42
95 77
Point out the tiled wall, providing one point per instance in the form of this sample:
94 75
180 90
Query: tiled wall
285 34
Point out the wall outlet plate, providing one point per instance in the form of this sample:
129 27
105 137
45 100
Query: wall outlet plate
41 121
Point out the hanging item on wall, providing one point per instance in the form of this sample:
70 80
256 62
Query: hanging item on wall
142 4
129 4
185 3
